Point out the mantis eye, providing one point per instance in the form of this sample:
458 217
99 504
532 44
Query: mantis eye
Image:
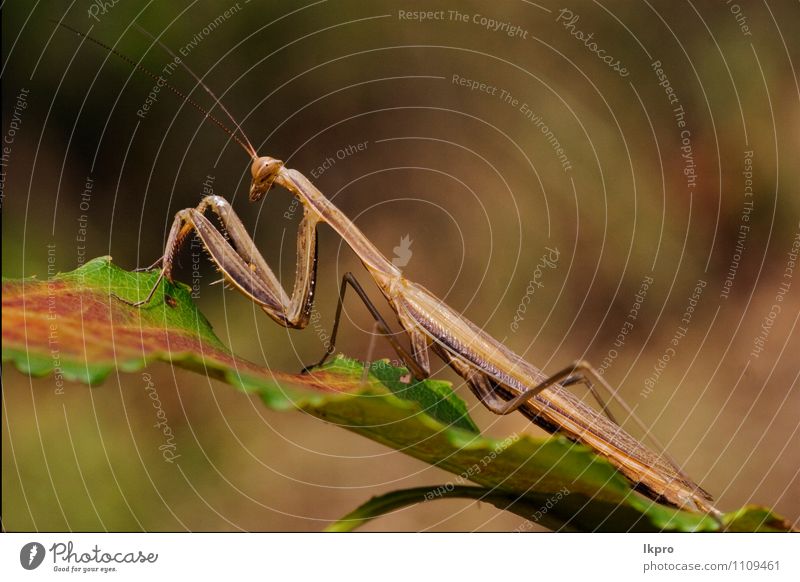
264 171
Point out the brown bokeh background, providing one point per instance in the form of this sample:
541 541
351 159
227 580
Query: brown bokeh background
469 178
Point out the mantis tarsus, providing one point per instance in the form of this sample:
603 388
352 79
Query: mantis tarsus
502 380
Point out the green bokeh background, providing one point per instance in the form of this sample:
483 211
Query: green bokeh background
462 173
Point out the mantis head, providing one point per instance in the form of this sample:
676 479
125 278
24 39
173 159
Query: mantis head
264 170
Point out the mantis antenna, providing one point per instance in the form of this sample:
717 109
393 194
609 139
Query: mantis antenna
243 141
250 149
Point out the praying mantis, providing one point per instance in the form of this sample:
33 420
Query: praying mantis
502 381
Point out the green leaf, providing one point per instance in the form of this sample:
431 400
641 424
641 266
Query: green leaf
532 507
72 326
561 510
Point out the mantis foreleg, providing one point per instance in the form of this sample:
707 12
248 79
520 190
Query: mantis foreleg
241 263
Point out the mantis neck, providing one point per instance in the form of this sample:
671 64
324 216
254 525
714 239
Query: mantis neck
315 201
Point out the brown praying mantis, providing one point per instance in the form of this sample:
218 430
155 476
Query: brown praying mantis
502 380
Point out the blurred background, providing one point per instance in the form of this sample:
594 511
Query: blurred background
651 147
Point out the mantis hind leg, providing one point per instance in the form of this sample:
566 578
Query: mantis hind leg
416 363
480 383
580 371
589 385
583 372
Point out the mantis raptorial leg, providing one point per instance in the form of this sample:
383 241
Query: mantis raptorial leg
501 379
242 265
